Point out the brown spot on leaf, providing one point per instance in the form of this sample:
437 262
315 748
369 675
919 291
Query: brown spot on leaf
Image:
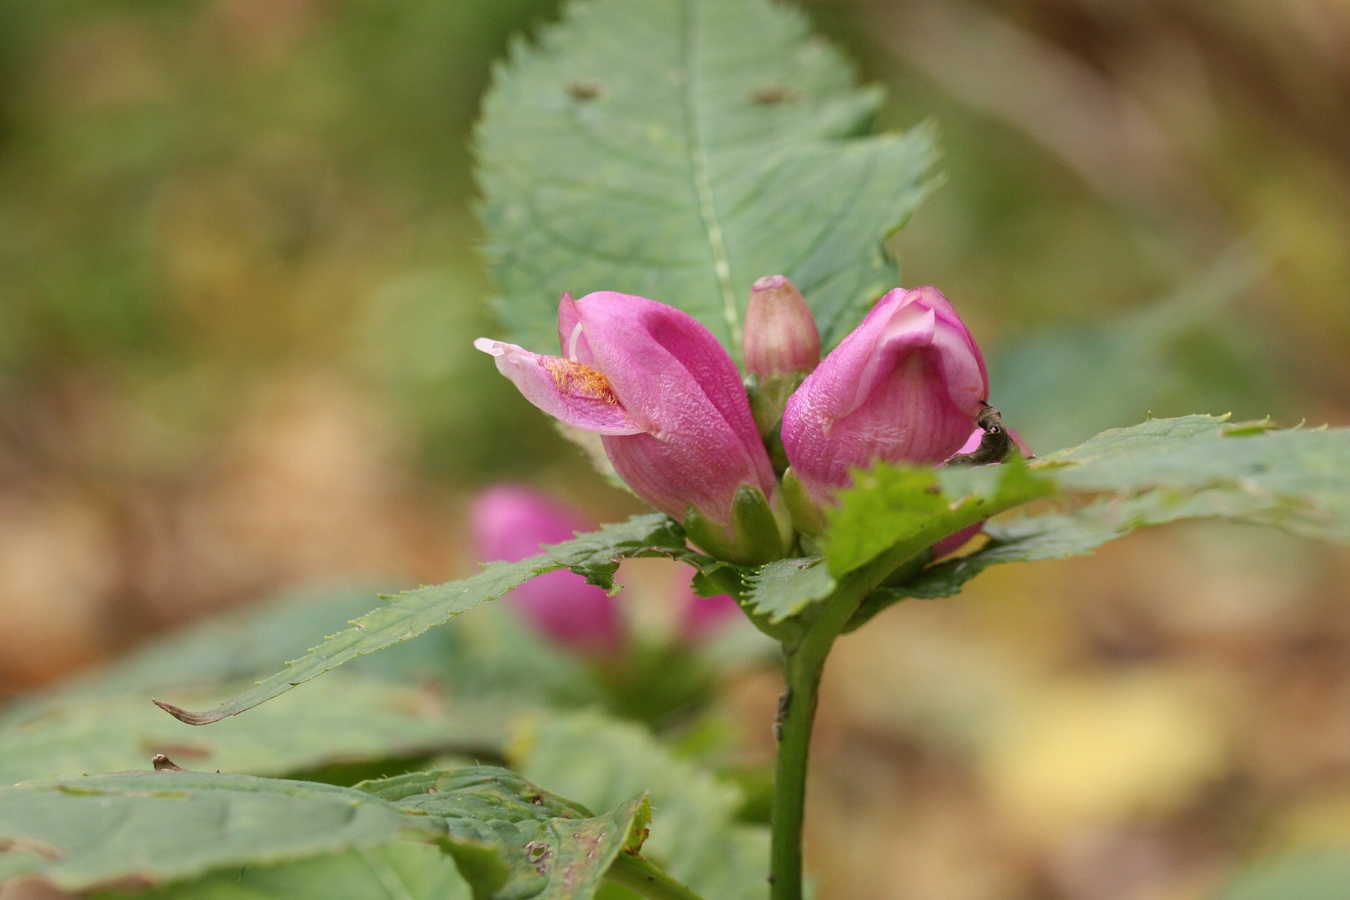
774 94
585 89
30 845
539 854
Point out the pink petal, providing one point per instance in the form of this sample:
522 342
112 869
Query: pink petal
571 392
700 442
904 386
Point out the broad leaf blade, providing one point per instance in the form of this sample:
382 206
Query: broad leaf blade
1160 471
397 871
237 646
696 835
1297 479
512 838
492 653
148 827
1322 874
347 716
595 555
681 149
1021 539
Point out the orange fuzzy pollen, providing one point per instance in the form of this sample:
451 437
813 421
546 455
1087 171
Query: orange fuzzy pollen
580 380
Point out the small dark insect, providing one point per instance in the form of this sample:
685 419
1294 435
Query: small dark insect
994 446
584 90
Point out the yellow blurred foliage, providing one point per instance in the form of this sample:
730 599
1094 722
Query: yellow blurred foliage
1100 751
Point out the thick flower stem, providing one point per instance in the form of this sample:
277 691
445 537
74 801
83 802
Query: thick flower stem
804 662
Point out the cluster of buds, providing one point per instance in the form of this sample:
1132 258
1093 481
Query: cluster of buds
748 466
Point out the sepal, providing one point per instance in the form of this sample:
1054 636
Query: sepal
807 517
759 532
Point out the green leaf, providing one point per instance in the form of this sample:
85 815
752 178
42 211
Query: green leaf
783 590
512 838
1160 471
595 555
888 505
1028 538
345 717
229 648
696 836
491 653
681 149
398 871
1021 539
1296 479
148 827
1310 876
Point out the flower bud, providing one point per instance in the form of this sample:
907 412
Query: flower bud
511 523
780 332
905 386
672 412
781 346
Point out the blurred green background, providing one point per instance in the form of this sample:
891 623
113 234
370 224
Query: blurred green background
239 284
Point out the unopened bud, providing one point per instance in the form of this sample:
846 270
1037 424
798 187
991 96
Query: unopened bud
781 347
780 333
905 386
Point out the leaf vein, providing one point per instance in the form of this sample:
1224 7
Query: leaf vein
691 87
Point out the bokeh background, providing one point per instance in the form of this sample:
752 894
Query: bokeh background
239 283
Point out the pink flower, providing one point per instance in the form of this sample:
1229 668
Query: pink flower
904 386
672 412
511 523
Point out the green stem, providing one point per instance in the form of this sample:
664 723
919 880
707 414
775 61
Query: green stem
796 713
646 880
804 662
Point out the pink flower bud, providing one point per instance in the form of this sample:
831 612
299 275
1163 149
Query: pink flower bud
780 333
904 386
511 523
781 347
672 412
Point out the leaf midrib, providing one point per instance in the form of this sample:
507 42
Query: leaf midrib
698 162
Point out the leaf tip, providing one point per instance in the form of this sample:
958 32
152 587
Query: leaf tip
191 718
